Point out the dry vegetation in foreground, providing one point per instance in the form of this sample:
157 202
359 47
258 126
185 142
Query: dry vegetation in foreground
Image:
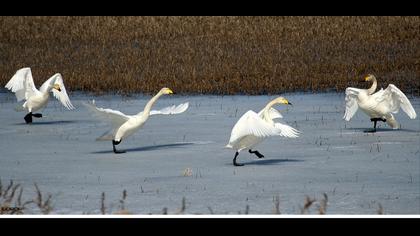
11 203
213 55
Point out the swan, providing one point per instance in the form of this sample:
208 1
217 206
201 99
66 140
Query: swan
125 125
378 106
22 84
252 128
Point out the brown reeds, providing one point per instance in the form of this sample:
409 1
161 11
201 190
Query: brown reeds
11 200
213 55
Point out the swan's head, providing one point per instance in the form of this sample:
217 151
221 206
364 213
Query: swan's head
166 91
282 100
369 77
57 86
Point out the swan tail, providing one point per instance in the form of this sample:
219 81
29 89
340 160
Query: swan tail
228 146
392 122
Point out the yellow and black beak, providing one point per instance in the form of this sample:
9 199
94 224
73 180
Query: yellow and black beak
56 86
170 91
285 101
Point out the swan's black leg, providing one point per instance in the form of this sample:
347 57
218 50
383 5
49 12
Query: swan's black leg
375 120
113 147
259 155
28 118
37 115
234 160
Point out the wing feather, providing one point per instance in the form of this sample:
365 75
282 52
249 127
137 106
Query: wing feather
396 99
116 118
287 131
252 124
274 114
62 95
171 110
351 103
22 84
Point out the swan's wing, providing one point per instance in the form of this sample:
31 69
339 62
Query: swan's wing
116 118
22 84
60 95
396 99
274 114
287 131
171 110
252 124
351 103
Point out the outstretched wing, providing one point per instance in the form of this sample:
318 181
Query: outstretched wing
396 99
287 131
171 110
351 102
274 114
116 118
22 84
252 124
60 95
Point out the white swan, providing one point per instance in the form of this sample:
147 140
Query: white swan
125 125
252 128
22 84
378 106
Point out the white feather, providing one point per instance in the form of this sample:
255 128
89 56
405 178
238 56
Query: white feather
380 104
351 102
395 99
171 110
273 113
116 118
60 95
22 84
253 128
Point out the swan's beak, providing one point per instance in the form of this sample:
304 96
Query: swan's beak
285 101
56 86
170 91
366 78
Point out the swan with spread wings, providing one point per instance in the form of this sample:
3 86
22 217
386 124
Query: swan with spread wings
22 84
125 125
253 128
379 106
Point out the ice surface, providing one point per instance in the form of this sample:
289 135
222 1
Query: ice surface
356 170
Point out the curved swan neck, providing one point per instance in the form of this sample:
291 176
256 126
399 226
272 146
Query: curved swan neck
267 110
149 104
269 105
372 89
48 90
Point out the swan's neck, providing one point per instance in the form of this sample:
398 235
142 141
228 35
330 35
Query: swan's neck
149 105
372 89
47 91
267 110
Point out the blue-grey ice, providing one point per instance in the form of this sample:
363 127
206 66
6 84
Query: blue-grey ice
357 170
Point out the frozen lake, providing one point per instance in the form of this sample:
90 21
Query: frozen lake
358 171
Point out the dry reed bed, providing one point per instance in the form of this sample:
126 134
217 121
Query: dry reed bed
12 202
213 55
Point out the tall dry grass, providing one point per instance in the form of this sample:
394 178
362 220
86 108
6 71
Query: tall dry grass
213 55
